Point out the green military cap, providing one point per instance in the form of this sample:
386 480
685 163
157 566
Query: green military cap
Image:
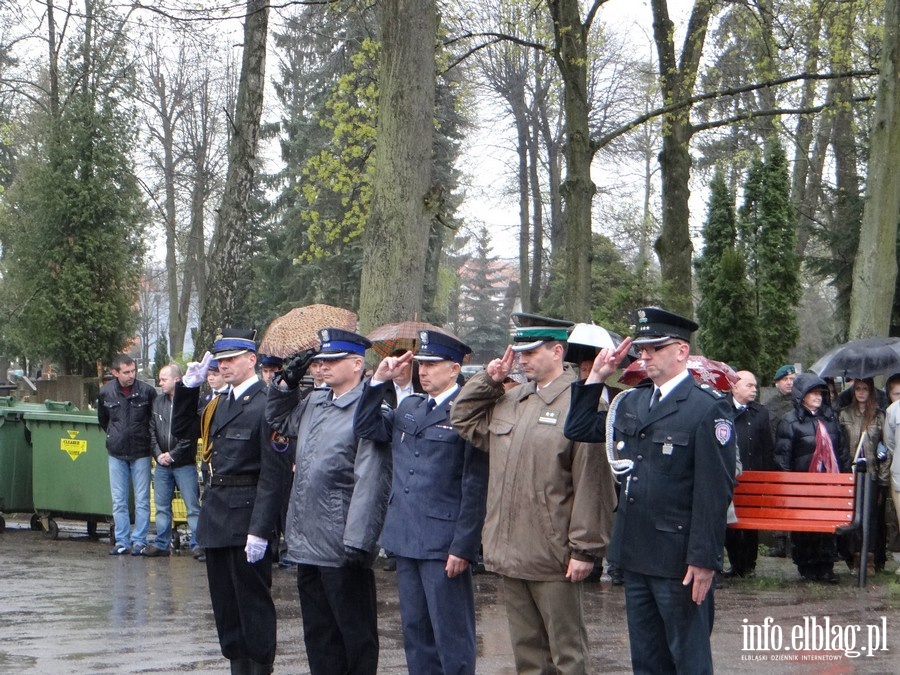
533 330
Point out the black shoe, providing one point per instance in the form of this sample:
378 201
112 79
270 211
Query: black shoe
152 552
828 577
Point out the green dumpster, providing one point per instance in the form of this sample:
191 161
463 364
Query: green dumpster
70 477
15 458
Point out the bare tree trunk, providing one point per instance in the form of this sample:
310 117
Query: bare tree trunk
875 271
518 107
673 247
533 291
229 244
804 135
397 232
570 36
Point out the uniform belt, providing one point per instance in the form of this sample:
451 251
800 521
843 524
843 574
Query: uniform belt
241 480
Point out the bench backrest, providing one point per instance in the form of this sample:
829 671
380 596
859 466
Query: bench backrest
790 501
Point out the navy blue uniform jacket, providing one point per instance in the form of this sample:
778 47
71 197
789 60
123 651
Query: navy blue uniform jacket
439 486
672 508
241 445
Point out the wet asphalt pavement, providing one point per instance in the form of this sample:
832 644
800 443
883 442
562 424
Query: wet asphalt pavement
68 607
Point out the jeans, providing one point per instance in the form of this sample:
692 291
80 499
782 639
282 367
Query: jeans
135 472
165 478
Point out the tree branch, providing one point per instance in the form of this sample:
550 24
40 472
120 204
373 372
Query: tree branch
601 141
750 114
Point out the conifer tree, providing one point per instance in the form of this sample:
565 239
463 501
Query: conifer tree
768 240
483 326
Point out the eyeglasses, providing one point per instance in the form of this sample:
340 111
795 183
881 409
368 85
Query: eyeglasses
656 348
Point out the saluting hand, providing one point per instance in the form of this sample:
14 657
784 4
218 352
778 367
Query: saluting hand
499 369
607 361
392 366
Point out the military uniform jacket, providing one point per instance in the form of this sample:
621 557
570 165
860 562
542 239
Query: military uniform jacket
240 447
439 486
673 506
549 499
341 481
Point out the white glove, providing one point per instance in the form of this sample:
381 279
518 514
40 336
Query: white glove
255 548
195 374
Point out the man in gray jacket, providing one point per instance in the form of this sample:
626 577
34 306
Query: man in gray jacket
337 505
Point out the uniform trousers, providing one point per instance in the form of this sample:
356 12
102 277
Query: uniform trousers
340 626
667 630
242 603
438 615
742 547
546 626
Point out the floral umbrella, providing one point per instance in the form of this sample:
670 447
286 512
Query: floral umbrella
391 337
296 331
716 374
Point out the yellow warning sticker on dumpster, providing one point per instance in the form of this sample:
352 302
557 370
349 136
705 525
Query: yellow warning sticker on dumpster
72 446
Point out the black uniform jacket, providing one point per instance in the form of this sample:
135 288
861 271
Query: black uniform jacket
241 447
673 504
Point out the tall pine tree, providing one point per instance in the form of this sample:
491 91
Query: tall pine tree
729 329
482 324
768 239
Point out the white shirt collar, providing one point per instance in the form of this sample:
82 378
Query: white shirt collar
239 390
666 388
444 395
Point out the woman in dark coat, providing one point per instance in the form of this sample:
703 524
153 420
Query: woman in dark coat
795 445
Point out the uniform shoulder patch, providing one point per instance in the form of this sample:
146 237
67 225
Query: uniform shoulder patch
715 393
724 430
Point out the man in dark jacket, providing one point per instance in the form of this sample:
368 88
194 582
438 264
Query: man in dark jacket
176 464
240 510
675 441
756 450
437 504
123 410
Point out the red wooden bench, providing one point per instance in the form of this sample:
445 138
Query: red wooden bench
794 501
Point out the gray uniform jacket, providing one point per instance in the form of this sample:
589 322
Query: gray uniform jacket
341 482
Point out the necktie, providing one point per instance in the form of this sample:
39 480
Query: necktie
657 395
429 406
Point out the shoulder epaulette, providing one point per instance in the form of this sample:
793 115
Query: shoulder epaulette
715 393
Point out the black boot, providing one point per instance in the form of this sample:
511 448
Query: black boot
241 667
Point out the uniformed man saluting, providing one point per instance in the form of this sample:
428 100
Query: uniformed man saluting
678 439
436 508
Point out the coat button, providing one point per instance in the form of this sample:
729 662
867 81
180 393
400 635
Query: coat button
411 472
631 500
640 458
406 490
416 454
634 478
643 435
681 527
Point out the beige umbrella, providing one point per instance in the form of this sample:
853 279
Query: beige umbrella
390 337
296 331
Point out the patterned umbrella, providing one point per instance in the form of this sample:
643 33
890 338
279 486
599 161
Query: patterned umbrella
716 374
296 330
390 337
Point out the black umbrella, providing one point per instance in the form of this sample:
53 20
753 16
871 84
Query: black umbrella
860 358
